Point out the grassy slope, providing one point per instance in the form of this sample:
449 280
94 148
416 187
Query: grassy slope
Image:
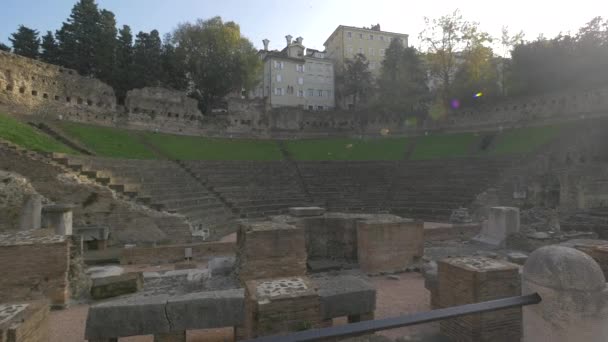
444 146
109 142
28 137
199 148
524 140
348 149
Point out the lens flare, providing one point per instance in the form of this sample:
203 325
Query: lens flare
349 146
455 104
385 131
478 95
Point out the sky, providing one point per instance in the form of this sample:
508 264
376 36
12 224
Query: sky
314 20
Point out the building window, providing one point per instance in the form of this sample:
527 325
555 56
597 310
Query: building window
361 50
319 107
381 52
382 38
361 36
300 68
276 64
300 80
311 108
349 35
320 93
282 65
371 37
279 78
372 52
311 92
350 50
300 93
278 91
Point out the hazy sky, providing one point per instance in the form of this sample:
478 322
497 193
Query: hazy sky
314 20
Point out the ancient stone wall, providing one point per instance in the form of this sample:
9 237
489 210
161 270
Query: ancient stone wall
13 192
34 265
175 253
44 89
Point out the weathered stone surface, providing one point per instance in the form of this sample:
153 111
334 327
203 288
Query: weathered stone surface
306 211
389 245
503 221
270 250
221 265
24 322
205 310
344 295
128 317
574 296
58 217
14 189
517 258
117 285
466 280
31 212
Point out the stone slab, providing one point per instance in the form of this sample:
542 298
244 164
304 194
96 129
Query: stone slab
116 285
204 310
127 317
502 222
221 265
306 211
345 295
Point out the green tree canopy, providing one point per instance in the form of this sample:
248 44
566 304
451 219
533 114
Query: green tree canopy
25 42
78 37
358 81
402 82
4 47
50 49
217 58
123 75
147 61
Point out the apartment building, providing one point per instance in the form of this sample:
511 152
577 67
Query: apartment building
296 77
347 41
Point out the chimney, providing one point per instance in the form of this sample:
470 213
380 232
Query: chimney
266 42
299 40
288 39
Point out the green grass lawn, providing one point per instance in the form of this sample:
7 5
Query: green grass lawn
199 148
28 137
109 142
348 149
444 146
523 140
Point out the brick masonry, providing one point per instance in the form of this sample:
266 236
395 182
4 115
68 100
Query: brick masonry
29 323
466 280
389 245
34 267
175 253
275 306
270 250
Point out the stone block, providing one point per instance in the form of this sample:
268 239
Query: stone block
31 212
306 211
502 222
116 285
178 336
58 217
221 266
127 317
389 245
204 310
275 306
517 258
270 250
345 295
467 280
24 322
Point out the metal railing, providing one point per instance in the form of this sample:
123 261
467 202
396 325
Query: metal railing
367 327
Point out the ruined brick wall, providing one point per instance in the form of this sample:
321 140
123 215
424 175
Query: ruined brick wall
161 109
34 270
175 253
45 89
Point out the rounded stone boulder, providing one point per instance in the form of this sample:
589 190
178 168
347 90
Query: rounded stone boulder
564 268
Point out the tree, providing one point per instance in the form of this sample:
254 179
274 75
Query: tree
123 75
402 81
4 47
357 79
50 49
217 59
78 37
105 49
147 60
508 42
25 42
172 65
